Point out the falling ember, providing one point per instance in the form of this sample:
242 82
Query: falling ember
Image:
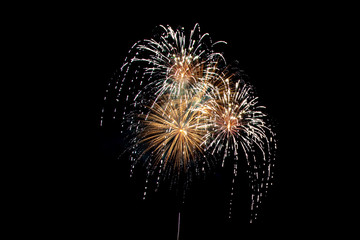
185 112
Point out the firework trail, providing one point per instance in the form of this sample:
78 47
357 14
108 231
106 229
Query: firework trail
185 112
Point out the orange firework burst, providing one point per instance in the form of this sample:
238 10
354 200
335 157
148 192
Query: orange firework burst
174 133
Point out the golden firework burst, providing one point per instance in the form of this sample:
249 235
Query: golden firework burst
174 132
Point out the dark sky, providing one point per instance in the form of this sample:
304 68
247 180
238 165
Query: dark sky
277 47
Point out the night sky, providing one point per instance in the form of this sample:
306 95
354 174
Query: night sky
277 49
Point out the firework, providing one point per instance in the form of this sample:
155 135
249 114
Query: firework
180 104
168 64
173 133
178 64
239 127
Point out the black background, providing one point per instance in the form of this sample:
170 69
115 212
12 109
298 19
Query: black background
280 48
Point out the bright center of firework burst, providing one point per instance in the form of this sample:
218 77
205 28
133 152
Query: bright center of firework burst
183 131
181 73
231 124
184 69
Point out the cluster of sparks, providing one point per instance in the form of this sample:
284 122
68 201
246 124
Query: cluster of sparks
186 112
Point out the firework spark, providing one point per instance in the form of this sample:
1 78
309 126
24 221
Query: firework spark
181 104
